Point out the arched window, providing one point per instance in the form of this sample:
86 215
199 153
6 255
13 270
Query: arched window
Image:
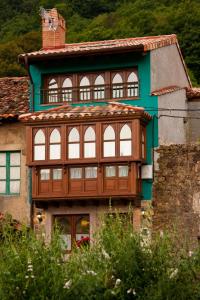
85 89
89 143
67 90
74 143
99 89
117 86
55 145
52 91
39 145
109 142
125 141
132 85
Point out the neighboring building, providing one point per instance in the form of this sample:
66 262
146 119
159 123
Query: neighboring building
14 198
98 112
193 96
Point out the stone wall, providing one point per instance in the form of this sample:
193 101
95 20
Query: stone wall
176 191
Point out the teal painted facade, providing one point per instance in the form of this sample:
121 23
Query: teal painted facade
108 62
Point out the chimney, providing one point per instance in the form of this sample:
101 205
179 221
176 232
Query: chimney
53 29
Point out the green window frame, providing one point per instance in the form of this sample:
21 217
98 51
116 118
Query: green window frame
10 172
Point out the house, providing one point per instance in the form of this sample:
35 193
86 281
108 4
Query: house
14 192
97 112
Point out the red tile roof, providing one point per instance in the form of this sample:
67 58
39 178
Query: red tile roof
13 97
139 43
166 90
193 93
68 112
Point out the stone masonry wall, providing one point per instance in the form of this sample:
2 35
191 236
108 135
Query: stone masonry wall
176 191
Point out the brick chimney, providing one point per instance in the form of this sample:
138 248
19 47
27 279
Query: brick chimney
53 29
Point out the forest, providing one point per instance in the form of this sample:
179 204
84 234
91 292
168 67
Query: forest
90 20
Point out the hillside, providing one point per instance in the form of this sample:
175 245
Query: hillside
90 20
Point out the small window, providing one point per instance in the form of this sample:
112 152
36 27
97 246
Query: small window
55 144
123 171
67 90
99 89
52 91
117 86
44 174
57 174
132 85
89 143
109 142
75 173
91 172
39 145
85 89
125 141
110 171
74 144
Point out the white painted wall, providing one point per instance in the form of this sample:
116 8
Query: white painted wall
167 68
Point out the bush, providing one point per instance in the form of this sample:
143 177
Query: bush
118 265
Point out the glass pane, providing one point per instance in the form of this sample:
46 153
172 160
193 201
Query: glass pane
67 83
123 171
39 137
91 172
110 171
125 132
15 159
89 150
53 84
67 241
117 91
132 77
15 187
2 187
83 224
64 225
55 151
76 173
109 149
89 134
45 174
14 172
39 153
85 81
57 174
125 148
74 135
109 133
73 151
2 172
117 78
2 159
99 80
55 136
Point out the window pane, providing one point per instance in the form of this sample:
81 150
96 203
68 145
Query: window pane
39 153
73 151
15 159
2 172
15 187
14 172
123 171
109 149
91 172
57 174
2 187
89 150
89 134
109 133
55 151
132 77
2 159
55 136
125 148
117 78
39 137
45 174
76 173
84 81
110 171
125 132
74 135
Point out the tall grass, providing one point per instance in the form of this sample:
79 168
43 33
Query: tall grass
118 265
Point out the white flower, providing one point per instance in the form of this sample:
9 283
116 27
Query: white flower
190 253
24 292
173 274
113 293
68 284
32 276
26 276
129 291
105 254
117 283
90 272
17 288
134 292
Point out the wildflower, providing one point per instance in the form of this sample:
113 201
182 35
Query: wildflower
173 274
68 284
26 276
32 276
190 253
17 288
113 293
24 292
117 283
105 254
129 291
90 272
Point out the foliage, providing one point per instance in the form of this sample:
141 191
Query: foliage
117 266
